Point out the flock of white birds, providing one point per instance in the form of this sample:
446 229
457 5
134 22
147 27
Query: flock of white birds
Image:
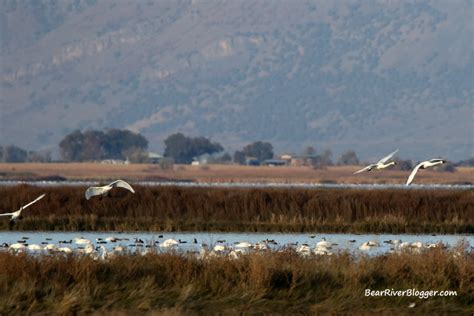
322 247
104 190
385 163
90 192
136 246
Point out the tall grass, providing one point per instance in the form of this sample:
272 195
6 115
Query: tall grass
244 209
269 282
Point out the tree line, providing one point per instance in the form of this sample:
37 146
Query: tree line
12 153
123 144
120 144
97 145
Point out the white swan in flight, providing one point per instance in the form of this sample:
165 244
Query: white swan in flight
92 191
17 215
381 164
424 165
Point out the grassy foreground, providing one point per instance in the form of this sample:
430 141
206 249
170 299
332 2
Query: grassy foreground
244 209
268 282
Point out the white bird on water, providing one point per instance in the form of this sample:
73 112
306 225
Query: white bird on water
65 249
243 245
219 248
424 165
50 247
104 190
381 164
34 247
168 243
17 247
82 241
324 244
17 215
368 245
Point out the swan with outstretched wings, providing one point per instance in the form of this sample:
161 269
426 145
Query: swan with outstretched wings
93 191
424 165
381 164
15 216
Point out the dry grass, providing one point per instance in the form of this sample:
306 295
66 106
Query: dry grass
259 283
265 210
226 173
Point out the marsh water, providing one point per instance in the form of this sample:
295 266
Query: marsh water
193 241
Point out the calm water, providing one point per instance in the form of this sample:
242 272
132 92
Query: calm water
255 185
343 241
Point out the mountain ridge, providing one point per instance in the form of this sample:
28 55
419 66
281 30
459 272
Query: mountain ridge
342 75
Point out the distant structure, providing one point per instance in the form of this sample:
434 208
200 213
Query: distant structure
275 162
252 161
154 157
114 162
300 161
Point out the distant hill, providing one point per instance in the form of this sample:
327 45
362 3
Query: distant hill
370 76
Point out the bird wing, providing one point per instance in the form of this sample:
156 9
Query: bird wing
93 191
369 167
437 160
412 174
6 214
385 159
34 201
122 184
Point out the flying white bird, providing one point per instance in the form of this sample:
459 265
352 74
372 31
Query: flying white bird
424 165
17 215
381 164
92 191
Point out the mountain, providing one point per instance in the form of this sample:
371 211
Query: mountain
365 75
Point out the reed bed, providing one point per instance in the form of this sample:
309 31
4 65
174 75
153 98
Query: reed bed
244 209
273 282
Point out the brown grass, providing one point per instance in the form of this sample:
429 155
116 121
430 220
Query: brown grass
282 283
226 173
265 210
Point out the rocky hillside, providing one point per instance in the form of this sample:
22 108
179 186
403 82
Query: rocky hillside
370 76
